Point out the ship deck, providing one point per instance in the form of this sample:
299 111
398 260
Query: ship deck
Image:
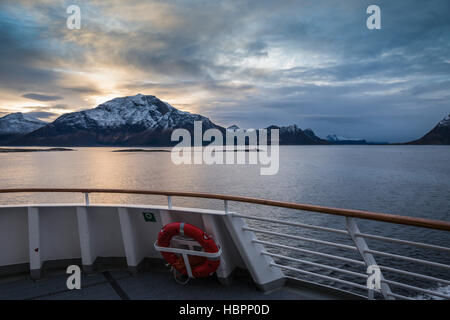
154 285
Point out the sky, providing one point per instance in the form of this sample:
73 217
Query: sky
245 62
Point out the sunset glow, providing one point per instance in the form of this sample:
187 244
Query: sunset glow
286 62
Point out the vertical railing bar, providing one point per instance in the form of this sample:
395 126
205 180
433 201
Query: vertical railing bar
188 265
225 203
169 202
86 198
368 258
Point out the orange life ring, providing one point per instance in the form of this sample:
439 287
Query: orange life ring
201 266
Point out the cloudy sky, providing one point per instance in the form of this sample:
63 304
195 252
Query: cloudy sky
245 62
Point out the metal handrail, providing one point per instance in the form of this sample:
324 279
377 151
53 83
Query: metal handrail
401 241
397 256
402 285
384 217
389 294
321 254
413 274
319 265
352 230
290 236
364 235
399 296
288 223
356 285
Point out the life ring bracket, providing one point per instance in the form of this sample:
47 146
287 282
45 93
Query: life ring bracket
211 259
209 255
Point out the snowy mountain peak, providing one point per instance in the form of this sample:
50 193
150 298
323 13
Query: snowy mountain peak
14 116
335 138
145 111
440 134
445 122
133 121
18 123
138 100
19 116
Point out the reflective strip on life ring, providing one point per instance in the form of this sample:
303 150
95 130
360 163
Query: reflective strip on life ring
201 266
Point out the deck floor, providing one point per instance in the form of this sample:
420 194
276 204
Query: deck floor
157 285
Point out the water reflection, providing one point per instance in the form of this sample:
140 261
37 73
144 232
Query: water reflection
408 180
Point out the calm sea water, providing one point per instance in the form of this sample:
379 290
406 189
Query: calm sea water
407 180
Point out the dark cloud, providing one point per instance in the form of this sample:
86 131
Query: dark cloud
41 97
257 48
82 90
167 66
22 54
60 106
255 63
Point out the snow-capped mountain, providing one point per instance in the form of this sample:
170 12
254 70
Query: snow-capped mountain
140 120
344 140
289 135
141 110
440 134
14 125
292 135
130 121
19 123
445 122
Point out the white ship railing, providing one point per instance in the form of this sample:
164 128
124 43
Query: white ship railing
360 246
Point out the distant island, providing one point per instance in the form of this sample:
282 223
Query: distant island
146 121
10 150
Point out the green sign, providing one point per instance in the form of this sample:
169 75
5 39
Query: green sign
149 217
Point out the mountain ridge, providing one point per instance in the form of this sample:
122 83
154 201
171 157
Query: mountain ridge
334 139
439 135
133 121
15 125
293 135
145 120
126 121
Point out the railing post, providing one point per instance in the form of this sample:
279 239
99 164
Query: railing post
86 198
368 258
34 241
169 202
225 202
